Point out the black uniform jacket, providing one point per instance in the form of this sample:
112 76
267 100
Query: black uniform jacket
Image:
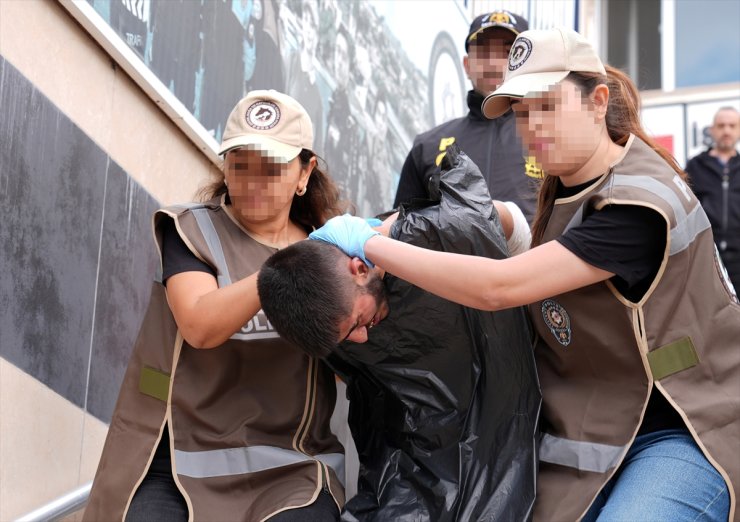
493 146
718 189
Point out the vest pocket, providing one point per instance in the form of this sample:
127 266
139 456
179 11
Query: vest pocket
672 358
154 383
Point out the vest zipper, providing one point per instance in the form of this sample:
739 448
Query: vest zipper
725 207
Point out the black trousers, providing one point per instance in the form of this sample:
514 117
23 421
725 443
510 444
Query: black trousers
323 510
158 498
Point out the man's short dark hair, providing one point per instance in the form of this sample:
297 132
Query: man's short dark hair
304 296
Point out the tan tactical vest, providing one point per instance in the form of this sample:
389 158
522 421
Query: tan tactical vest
601 355
248 421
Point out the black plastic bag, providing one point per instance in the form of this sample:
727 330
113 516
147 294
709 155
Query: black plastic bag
444 399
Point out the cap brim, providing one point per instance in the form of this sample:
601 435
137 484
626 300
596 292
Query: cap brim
494 25
279 151
499 101
473 36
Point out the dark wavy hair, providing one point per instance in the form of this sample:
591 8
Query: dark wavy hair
320 203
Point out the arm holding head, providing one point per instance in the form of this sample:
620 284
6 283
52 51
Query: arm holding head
545 271
207 315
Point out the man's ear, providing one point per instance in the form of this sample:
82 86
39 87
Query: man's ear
466 65
358 268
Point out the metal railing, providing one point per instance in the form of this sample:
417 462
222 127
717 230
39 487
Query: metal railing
60 507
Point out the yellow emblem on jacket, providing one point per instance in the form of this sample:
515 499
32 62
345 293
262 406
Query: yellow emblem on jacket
443 144
532 168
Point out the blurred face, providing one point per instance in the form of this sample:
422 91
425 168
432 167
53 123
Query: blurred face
341 60
261 188
725 130
369 307
559 127
487 59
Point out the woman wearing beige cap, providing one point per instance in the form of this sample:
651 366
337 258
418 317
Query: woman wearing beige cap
219 418
638 324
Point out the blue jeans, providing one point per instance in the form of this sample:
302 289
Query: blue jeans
664 477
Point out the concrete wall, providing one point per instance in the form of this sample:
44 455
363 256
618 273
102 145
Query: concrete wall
85 157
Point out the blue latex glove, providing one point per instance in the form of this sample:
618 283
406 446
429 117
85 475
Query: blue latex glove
348 233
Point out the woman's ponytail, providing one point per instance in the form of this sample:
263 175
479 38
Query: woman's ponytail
623 111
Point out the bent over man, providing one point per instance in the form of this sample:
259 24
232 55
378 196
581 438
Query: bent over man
444 399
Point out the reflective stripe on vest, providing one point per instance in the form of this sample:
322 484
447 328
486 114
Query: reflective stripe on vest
214 245
205 224
688 226
238 461
584 456
577 218
685 233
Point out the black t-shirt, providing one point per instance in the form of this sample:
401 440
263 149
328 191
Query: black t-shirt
176 256
628 241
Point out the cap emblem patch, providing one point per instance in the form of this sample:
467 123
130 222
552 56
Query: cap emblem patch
263 115
500 17
519 53
557 320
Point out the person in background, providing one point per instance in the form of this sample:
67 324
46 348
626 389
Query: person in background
638 332
714 176
218 417
493 145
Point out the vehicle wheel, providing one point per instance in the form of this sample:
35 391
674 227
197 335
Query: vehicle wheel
446 81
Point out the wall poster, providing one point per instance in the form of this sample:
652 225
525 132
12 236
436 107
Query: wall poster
371 73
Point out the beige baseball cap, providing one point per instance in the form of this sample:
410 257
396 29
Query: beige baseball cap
269 121
539 59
